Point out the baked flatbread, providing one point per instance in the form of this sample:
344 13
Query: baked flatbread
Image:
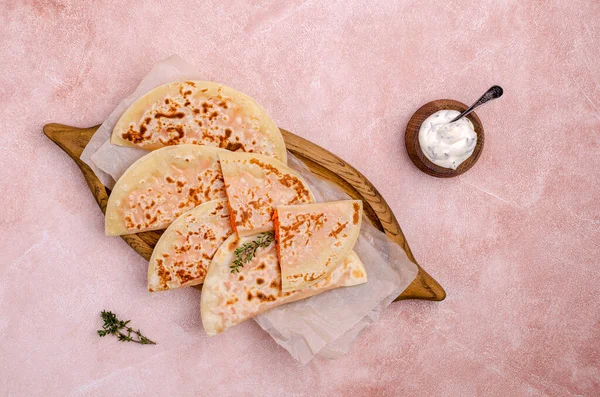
184 252
313 239
230 298
162 185
255 185
199 112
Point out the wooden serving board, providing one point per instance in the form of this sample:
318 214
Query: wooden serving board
326 165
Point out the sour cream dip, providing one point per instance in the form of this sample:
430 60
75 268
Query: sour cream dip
447 144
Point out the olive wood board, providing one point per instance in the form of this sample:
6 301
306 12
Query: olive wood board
324 164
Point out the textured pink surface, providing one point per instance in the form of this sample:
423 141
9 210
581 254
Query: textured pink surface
515 241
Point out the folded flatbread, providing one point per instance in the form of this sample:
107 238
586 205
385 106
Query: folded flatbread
162 185
313 239
230 298
199 112
184 252
255 185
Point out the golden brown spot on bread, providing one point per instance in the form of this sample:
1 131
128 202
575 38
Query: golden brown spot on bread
184 276
245 216
206 256
357 273
265 298
233 244
164 275
266 167
128 223
178 115
231 146
209 235
184 248
260 281
306 277
133 135
176 139
274 284
356 210
312 276
261 266
256 204
340 226
207 193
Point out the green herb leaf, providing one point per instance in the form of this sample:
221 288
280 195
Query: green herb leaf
247 251
114 326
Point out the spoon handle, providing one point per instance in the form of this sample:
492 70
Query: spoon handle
493 93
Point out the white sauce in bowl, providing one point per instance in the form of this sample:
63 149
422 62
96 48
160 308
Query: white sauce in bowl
447 144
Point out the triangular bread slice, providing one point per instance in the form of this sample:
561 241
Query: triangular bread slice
313 238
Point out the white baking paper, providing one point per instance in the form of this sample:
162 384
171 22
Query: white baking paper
324 325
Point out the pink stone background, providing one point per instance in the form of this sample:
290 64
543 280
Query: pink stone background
515 241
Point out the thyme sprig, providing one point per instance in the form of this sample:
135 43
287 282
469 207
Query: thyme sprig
247 251
120 329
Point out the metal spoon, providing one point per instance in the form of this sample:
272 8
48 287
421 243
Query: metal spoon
493 93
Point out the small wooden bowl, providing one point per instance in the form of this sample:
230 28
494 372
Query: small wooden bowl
411 139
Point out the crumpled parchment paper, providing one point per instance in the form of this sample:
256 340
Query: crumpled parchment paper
324 325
